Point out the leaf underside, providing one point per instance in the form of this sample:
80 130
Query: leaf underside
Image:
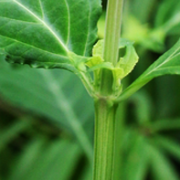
41 33
50 94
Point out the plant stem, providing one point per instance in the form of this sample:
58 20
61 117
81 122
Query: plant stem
111 42
105 110
104 140
112 31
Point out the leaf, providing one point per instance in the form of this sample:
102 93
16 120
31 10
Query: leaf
162 168
168 145
46 160
137 161
27 157
147 8
125 64
168 63
8 134
143 107
167 11
87 173
52 94
165 124
42 33
129 60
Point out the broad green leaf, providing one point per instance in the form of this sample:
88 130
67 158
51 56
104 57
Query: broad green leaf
168 63
42 33
53 94
161 166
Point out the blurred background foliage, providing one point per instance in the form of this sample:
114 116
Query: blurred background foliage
46 116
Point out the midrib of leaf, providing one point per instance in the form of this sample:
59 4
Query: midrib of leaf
59 97
164 62
44 24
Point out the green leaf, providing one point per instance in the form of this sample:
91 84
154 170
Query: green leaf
167 14
10 133
137 162
53 160
50 94
162 168
168 63
125 64
146 10
87 173
169 145
120 70
27 157
143 107
129 60
165 124
42 33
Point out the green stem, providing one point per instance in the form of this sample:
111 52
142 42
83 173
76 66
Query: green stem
104 140
111 42
112 32
105 110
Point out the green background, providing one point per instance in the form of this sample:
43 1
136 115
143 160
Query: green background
45 136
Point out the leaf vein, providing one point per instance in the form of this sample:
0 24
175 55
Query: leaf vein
167 60
44 24
18 20
34 47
